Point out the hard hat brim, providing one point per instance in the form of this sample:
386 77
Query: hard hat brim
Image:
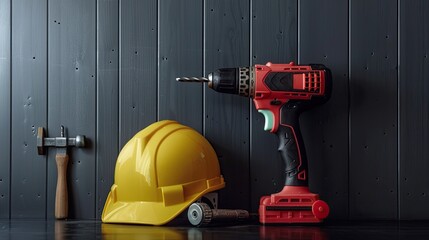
151 213
121 231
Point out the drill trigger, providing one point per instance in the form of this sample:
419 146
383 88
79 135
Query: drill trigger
269 119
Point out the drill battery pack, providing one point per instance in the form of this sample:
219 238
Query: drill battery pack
294 204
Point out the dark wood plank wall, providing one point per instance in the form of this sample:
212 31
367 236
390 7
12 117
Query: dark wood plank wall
414 110
373 179
5 93
107 69
29 108
72 99
180 53
107 97
138 66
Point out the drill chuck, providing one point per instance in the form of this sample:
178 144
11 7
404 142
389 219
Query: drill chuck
224 80
239 81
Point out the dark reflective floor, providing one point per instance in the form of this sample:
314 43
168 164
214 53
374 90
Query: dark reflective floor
59 230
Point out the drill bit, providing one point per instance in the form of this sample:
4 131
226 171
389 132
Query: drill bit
192 79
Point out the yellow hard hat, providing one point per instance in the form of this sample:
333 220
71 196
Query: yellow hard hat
161 171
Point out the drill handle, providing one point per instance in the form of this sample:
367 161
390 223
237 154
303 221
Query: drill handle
291 146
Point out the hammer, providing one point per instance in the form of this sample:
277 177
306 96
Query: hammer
61 143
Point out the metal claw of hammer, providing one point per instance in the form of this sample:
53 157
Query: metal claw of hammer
61 158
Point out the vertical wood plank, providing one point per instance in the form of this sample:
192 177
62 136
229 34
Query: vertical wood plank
107 97
180 54
29 61
373 110
138 83
5 91
72 100
325 128
274 39
414 109
227 116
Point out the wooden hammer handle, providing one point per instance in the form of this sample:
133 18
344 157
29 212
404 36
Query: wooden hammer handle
61 197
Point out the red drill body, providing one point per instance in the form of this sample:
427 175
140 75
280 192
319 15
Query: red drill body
273 90
281 92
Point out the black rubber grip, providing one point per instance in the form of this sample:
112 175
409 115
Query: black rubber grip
291 146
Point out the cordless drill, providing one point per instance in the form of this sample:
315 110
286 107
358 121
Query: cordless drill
281 92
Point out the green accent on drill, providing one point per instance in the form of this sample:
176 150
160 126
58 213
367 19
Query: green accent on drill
269 119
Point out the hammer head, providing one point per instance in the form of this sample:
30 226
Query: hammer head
40 141
59 142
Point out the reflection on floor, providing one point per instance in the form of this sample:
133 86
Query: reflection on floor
73 229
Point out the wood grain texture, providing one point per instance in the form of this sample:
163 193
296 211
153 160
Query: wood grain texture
72 100
29 61
138 80
5 93
107 98
111 71
274 39
180 54
414 109
373 110
227 126
325 128
61 194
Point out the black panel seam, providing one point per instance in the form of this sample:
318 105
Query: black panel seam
119 72
158 9
349 107
204 69
47 106
298 28
250 149
10 110
96 193
398 134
